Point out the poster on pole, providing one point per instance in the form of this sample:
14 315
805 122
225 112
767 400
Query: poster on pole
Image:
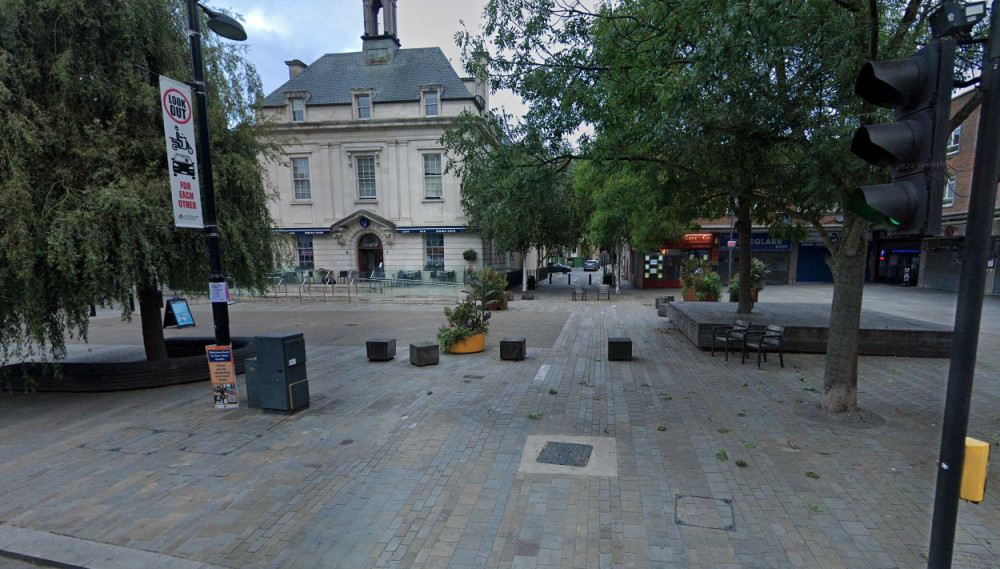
182 157
223 374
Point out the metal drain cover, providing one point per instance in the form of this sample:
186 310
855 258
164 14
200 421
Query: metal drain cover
565 454
704 512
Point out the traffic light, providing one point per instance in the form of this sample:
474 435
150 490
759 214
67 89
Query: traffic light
913 146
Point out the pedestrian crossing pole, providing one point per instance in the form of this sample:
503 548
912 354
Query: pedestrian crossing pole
972 287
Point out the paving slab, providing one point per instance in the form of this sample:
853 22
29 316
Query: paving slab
402 466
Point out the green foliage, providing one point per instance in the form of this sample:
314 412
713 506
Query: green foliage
697 275
469 255
488 286
465 319
516 191
84 183
708 287
758 270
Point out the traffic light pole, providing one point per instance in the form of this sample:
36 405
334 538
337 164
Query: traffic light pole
975 253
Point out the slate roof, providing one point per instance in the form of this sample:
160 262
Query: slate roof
329 79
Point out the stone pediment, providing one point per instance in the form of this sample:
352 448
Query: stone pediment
360 222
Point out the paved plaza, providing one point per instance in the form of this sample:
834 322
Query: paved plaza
695 462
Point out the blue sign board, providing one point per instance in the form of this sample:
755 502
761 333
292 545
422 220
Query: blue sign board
178 314
758 242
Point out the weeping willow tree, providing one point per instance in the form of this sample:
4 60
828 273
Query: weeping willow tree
85 203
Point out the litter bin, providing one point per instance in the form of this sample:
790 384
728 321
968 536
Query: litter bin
531 282
280 373
253 383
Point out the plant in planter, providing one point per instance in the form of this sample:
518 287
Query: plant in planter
488 286
708 287
758 270
466 320
469 255
694 274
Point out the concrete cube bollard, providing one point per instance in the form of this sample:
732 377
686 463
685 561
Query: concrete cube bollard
381 349
513 349
619 349
425 354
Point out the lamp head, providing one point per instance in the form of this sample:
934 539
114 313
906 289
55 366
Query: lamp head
224 25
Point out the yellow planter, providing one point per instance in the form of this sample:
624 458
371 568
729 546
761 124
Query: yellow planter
470 345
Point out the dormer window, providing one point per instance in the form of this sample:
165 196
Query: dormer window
364 104
298 110
432 104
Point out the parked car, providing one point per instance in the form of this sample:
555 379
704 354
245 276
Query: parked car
591 265
559 268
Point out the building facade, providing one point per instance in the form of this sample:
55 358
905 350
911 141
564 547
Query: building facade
362 186
931 261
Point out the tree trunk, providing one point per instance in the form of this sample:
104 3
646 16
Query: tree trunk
524 272
840 379
744 226
618 268
152 323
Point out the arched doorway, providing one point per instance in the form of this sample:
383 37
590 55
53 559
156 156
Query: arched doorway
370 256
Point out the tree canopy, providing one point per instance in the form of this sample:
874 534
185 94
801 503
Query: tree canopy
84 185
713 105
516 191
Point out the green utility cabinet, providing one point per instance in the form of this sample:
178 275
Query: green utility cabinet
281 373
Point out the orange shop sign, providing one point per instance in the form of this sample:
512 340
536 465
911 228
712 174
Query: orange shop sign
692 241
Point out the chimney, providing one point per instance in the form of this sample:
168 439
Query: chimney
295 67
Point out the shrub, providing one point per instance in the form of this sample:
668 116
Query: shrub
466 319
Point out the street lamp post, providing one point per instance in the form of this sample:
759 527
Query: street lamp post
231 29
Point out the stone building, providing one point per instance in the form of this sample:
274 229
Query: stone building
362 185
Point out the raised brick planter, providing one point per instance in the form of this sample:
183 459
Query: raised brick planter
381 349
425 354
513 349
619 349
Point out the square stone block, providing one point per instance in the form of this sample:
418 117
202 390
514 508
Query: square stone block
425 354
381 349
513 349
662 309
619 349
661 300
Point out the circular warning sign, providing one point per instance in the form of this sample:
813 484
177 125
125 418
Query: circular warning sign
177 105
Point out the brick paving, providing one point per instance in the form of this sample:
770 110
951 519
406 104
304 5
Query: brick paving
402 466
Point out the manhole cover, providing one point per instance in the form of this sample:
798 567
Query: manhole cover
565 454
704 512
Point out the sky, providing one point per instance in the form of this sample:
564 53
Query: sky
307 29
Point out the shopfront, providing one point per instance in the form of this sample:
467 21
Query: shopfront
897 262
776 254
662 269
811 265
